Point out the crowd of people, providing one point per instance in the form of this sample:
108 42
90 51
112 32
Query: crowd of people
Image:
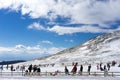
100 67
74 69
36 69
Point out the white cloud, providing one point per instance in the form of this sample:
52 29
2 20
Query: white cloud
79 11
8 50
36 25
60 30
2 49
47 42
22 49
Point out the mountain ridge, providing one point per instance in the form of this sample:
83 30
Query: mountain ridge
102 48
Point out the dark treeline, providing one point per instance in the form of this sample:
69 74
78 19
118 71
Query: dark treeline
11 62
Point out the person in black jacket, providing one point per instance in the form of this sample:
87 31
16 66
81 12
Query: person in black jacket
81 70
89 68
30 68
66 71
38 71
11 68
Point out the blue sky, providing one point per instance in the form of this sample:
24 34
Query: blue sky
36 28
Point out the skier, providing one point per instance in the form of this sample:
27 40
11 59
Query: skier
38 71
81 70
11 67
108 66
101 67
89 68
7 66
98 67
113 63
23 67
105 67
26 72
30 68
66 71
34 68
56 73
1 67
74 70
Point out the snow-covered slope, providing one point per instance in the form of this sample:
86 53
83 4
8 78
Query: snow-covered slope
100 49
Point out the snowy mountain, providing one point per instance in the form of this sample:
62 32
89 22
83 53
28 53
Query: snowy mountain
103 48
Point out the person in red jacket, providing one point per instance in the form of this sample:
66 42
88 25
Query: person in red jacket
74 70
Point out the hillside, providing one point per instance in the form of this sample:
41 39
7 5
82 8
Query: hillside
103 48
